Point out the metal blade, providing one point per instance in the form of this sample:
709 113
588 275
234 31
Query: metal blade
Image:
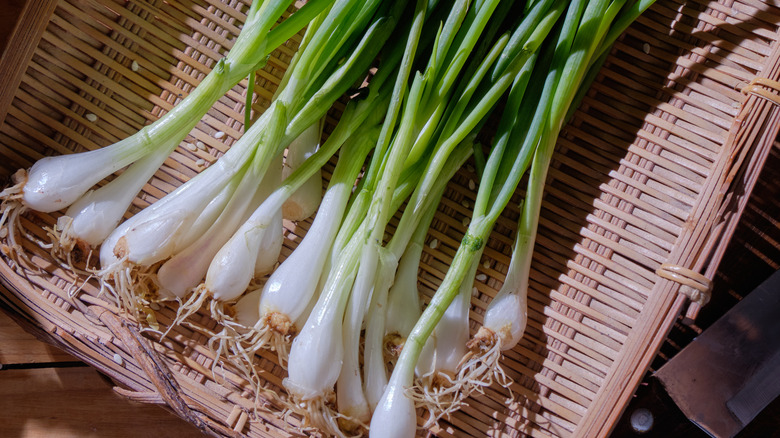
733 361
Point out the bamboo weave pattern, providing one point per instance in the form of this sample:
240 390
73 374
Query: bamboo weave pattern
628 181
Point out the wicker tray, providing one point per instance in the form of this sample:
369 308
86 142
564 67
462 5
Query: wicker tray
646 187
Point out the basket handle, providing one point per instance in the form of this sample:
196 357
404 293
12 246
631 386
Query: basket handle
694 285
763 87
168 389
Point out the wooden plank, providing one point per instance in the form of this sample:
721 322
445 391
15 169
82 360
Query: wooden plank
31 21
9 13
77 402
19 347
40 398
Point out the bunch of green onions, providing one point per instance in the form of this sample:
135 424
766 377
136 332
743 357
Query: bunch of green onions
424 78
529 127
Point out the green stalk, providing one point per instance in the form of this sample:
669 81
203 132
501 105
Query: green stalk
375 374
595 22
324 47
358 210
356 120
351 396
311 29
411 217
253 45
337 83
466 39
512 154
419 201
452 50
378 212
477 111
250 92
445 36
518 43
541 113
358 206
625 17
582 32
348 72
513 115
399 91
470 245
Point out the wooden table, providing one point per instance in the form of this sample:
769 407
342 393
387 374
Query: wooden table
45 392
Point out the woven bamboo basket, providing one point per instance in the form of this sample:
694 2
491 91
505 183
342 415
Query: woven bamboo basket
646 187
752 256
